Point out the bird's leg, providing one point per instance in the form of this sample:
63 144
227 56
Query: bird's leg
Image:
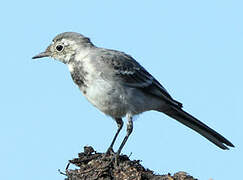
119 125
129 131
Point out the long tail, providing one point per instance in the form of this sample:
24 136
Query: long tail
193 123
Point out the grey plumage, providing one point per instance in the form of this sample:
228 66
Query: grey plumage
119 86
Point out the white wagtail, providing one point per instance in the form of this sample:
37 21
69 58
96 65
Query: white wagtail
119 86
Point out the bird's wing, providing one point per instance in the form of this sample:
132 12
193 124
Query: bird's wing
129 72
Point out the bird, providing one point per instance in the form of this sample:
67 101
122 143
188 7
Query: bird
116 84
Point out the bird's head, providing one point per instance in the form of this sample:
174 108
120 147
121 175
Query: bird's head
64 46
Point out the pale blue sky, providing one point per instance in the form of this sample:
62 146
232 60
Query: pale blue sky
194 48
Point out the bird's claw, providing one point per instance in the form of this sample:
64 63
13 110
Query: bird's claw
110 151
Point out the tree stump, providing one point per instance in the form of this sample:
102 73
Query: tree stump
93 165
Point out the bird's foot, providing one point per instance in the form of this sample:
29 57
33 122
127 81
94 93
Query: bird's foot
116 158
110 151
109 155
112 157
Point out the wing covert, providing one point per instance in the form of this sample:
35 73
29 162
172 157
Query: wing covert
129 72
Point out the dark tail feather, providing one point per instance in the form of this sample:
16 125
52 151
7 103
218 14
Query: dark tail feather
193 123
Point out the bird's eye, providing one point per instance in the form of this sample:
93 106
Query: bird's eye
59 48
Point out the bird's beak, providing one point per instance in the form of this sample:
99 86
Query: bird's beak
41 55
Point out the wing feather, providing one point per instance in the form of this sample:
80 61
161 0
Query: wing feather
129 72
